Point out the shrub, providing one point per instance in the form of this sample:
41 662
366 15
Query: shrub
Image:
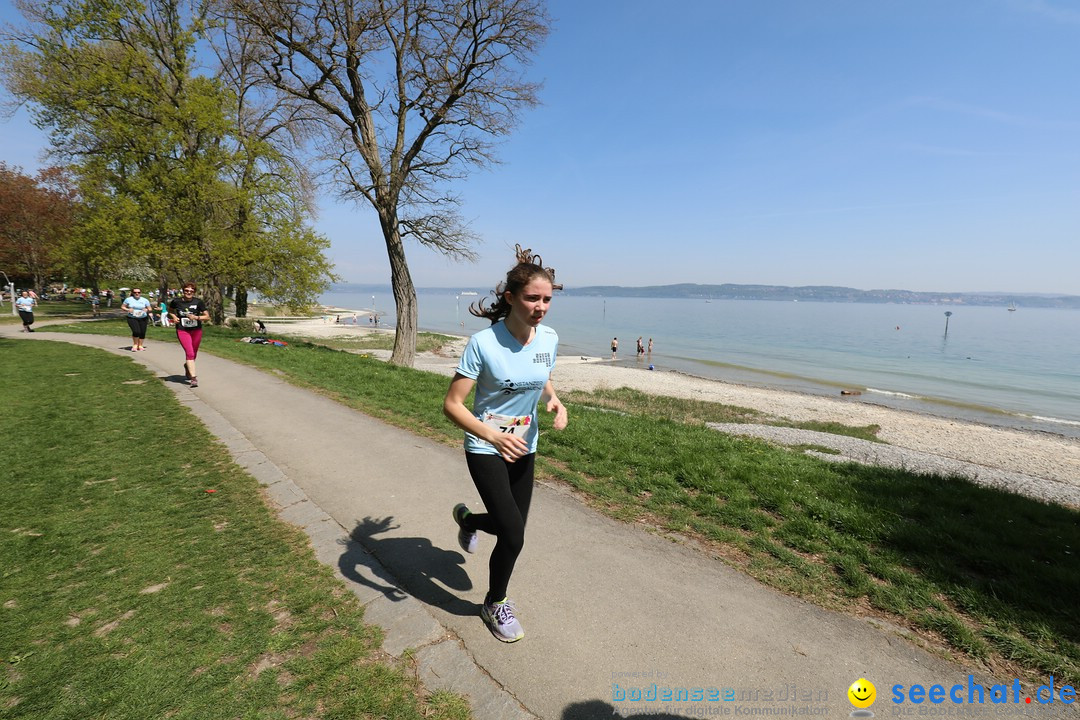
243 324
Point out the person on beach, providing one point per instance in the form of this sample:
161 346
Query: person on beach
510 365
650 346
188 313
25 305
614 347
138 315
640 346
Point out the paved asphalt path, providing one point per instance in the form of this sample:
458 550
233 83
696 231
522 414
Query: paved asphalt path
609 609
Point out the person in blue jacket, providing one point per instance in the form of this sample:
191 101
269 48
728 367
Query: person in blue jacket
510 365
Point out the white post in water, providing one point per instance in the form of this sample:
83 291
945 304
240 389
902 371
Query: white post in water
948 314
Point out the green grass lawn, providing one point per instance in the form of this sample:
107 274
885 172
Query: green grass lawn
144 577
425 341
51 309
988 574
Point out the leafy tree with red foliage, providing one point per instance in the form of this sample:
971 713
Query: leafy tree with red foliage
35 214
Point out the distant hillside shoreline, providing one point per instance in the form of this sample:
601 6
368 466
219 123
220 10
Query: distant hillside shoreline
827 293
809 293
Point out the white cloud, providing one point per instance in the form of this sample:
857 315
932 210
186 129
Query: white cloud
991 114
1047 10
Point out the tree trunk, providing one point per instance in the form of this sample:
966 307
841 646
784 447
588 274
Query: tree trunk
91 278
215 304
404 352
241 301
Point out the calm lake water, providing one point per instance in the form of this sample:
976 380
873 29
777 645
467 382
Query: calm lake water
1018 369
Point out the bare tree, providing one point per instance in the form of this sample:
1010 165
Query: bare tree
409 94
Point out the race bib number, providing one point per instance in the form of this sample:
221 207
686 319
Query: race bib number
138 313
509 424
188 322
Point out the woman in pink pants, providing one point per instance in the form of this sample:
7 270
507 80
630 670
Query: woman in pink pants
189 313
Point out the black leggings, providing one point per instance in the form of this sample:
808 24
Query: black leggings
506 489
138 327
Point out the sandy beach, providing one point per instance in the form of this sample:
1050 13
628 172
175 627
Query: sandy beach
1039 455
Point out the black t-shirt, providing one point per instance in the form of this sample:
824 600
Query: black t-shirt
182 308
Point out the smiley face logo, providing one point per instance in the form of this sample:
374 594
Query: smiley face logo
862 693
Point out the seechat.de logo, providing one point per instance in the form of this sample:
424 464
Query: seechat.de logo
975 693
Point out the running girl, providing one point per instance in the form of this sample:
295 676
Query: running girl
510 365
25 305
138 315
189 313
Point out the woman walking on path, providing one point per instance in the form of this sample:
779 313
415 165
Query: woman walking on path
138 315
25 305
188 313
510 365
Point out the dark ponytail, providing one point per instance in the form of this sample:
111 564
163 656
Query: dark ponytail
528 267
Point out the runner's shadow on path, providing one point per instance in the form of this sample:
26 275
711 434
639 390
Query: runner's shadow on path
409 565
597 709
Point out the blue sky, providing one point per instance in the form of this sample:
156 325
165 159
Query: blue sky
923 145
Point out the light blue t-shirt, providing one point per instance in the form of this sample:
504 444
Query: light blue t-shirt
137 307
25 304
509 379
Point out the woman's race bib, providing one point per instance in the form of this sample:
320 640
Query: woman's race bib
508 424
138 313
188 322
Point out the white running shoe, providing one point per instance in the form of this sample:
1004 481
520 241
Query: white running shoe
500 619
466 539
